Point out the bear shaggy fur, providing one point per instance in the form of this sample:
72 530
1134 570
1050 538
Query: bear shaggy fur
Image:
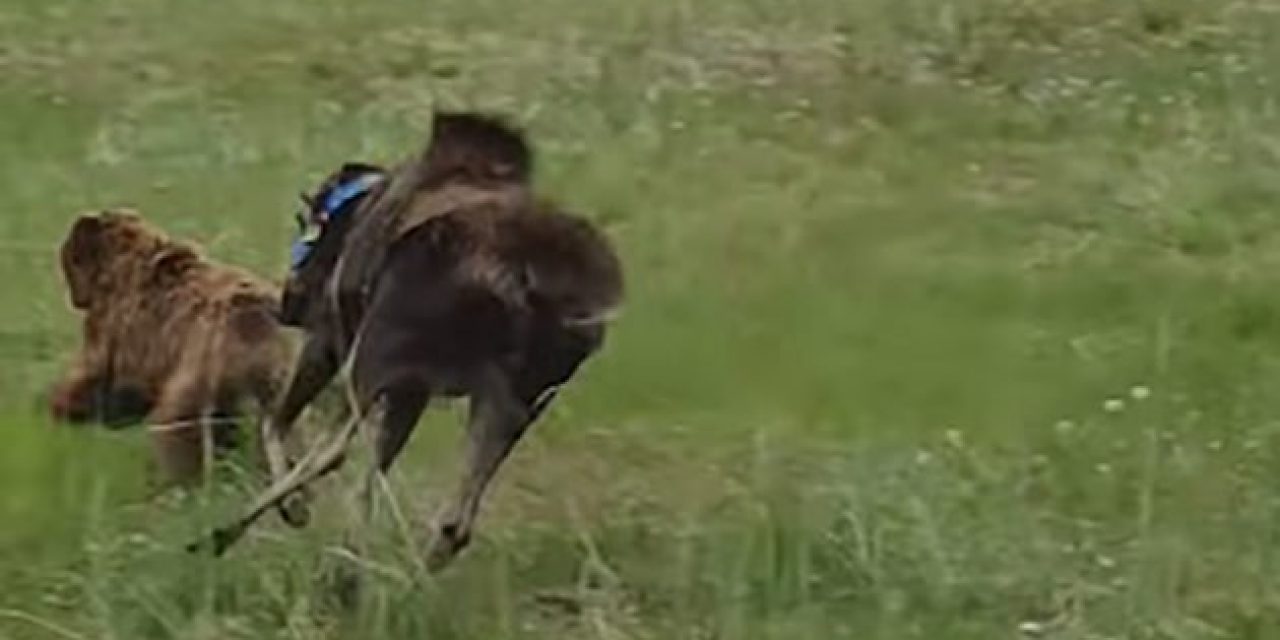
167 336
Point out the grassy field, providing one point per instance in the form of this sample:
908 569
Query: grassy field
948 319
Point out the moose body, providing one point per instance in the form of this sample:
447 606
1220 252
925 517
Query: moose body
445 277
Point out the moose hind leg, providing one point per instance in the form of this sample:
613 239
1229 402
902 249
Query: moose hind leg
501 411
386 436
496 422
405 403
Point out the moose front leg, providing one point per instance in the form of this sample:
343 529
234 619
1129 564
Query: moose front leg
315 465
317 365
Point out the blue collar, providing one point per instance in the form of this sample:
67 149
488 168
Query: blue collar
298 252
334 203
342 194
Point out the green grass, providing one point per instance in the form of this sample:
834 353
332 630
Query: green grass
947 319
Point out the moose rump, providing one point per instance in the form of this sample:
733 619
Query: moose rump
512 289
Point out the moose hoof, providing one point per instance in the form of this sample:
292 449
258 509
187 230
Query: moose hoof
343 584
295 509
449 542
216 543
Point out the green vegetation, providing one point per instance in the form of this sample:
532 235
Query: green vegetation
948 319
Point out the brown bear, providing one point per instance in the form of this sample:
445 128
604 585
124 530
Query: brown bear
168 336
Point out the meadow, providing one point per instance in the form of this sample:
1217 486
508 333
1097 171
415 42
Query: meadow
947 319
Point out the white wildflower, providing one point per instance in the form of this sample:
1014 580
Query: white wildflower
1032 628
954 438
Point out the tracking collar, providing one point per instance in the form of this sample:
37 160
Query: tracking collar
342 194
334 202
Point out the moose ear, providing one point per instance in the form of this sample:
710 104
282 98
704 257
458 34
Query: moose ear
356 168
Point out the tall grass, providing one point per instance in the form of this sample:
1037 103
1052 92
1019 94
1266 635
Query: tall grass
947 319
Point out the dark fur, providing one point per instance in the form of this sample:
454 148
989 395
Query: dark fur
452 280
168 337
